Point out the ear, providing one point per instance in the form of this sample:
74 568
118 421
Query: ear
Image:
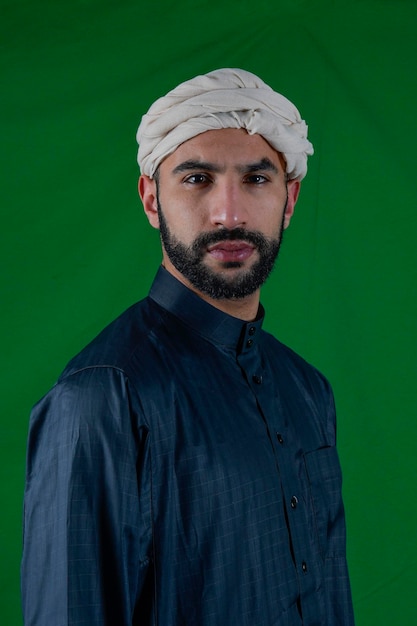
147 192
293 187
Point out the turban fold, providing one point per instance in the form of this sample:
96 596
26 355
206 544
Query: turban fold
225 98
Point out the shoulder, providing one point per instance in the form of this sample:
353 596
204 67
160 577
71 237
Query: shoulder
95 386
114 347
285 359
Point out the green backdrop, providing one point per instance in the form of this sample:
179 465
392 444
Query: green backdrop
76 249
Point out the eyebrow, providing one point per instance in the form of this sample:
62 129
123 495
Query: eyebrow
192 164
264 165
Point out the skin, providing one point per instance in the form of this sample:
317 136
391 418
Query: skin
222 179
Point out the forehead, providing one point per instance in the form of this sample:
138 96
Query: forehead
225 146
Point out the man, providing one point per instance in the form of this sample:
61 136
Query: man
183 469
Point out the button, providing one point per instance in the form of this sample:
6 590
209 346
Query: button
257 379
304 567
294 502
249 343
280 438
252 330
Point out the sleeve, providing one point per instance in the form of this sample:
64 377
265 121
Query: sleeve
87 512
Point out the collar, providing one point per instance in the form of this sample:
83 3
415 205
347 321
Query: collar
206 320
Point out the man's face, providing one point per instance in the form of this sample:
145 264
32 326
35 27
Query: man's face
221 201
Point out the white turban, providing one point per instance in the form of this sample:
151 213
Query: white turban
225 98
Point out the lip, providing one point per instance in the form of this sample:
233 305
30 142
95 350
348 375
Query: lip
229 251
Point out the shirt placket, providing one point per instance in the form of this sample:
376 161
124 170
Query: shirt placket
287 462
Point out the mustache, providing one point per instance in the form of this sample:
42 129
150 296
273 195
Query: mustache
207 239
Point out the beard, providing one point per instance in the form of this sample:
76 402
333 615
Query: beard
189 260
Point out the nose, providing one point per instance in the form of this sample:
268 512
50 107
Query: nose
227 208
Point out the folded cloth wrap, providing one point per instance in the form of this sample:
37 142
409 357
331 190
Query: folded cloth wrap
225 98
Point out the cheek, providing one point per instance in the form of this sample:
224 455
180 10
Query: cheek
183 226
269 222
184 221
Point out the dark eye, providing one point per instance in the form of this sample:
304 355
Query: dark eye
255 179
197 179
